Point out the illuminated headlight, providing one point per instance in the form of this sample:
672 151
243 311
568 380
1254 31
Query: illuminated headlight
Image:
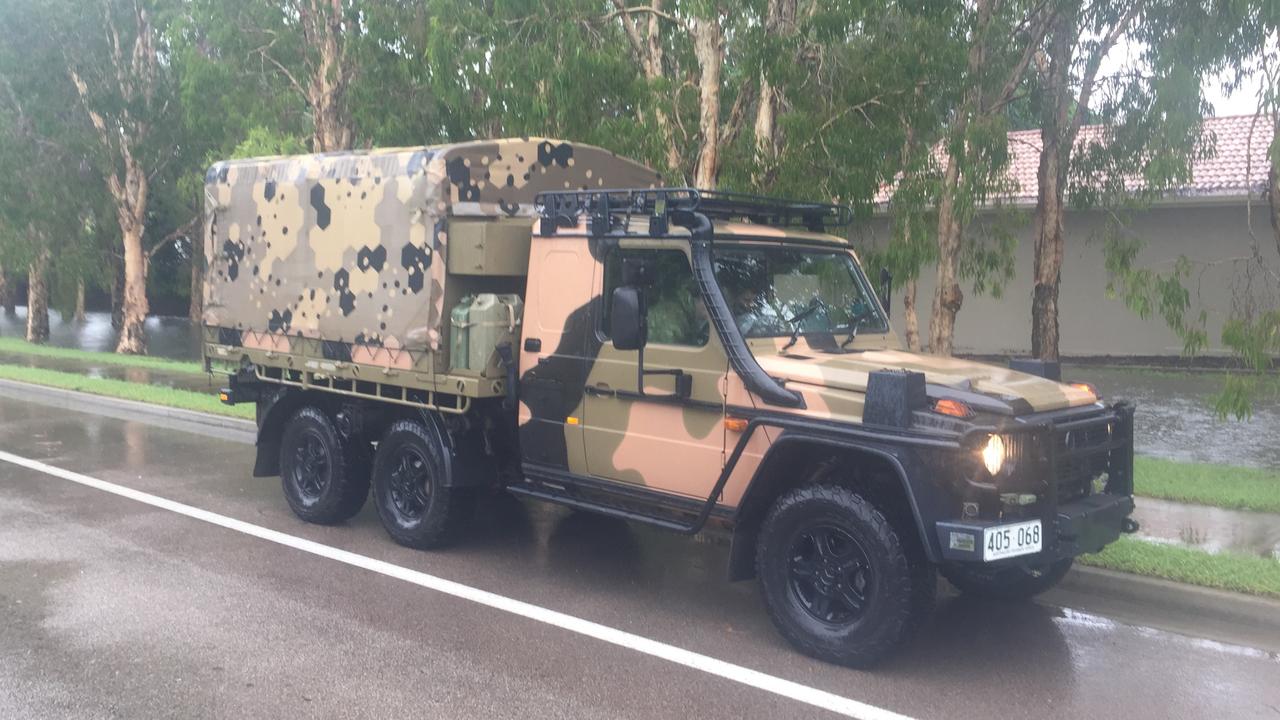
993 454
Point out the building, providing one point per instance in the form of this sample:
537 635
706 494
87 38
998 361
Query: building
1207 221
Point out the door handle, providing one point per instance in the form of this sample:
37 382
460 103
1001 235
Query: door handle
600 389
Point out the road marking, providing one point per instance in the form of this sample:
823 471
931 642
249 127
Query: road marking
720 668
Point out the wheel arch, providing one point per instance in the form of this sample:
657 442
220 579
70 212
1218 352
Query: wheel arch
796 459
273 411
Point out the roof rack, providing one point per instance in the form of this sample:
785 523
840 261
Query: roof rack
612 210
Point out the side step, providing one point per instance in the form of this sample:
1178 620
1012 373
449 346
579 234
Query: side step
563 498
670 512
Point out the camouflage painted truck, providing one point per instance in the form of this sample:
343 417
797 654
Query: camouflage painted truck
546 318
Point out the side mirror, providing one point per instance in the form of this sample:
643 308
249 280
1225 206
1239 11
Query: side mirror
886 290
627 322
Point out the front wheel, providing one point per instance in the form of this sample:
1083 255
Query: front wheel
836 578
1007 583
416 505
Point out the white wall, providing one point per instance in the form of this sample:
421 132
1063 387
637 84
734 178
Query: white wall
1092 323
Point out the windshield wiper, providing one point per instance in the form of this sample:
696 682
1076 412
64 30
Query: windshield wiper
814 304
853 332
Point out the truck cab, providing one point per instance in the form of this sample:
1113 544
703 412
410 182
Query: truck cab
682 358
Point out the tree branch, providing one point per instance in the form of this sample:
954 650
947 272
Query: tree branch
262 52
183 230
625 11
1093 66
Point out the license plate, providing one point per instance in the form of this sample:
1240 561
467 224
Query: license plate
1006 541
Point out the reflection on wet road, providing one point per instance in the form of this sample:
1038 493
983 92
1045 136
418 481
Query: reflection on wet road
114 607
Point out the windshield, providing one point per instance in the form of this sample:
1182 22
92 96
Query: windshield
773 290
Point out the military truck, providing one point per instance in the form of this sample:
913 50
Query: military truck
545 318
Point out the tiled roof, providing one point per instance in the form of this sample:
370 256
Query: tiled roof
1239 163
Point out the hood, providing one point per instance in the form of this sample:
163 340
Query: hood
849 371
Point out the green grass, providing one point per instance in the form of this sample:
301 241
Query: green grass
1224 486
22 347
1224 571
154 394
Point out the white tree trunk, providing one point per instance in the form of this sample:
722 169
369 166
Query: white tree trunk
708 47
79 316
38 298
133 334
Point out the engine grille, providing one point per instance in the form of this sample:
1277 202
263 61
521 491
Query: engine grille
1088 448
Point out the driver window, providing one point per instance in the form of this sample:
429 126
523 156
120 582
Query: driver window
676 313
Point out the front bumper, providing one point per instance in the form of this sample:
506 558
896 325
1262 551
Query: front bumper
1080 467
1083 526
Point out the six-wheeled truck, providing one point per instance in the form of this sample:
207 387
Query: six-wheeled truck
545 318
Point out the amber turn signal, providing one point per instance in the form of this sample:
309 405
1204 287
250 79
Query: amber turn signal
1087 387
734 424
954 408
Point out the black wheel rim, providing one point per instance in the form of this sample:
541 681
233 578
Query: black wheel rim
829 574
409 483
311 466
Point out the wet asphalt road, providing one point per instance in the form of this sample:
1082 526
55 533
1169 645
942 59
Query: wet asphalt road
111 608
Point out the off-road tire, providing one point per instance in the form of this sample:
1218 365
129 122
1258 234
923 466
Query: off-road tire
415 506
1010 584
325 478
897 590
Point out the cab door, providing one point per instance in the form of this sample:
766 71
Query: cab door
553 357
658 439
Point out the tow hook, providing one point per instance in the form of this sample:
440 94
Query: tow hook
1129 526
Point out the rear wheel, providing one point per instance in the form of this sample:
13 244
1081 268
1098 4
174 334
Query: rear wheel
416 507
325 478
836 578
1007 583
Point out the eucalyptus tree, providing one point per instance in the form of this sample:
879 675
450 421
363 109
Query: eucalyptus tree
1002 38
116 60
1238 41
47 187
1080 37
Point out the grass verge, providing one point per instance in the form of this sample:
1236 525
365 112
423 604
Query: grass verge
1225 486
22 347
154 394
1223 571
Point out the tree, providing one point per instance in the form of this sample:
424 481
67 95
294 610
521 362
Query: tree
1082 34
42 160
1236 39
125 90
1002 40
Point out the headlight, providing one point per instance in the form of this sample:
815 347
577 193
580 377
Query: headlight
993 454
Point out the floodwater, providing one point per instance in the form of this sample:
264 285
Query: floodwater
1208 528
198 382
171 337
1175 418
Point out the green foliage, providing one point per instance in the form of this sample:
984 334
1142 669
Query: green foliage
1225 486
1224 571
137 392
18 346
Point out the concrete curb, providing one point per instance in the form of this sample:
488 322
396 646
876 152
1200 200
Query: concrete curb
227 428
1228 617
1245 620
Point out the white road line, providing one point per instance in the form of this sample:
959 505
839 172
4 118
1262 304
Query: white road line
729 671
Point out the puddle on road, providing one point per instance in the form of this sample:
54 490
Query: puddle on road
1209 528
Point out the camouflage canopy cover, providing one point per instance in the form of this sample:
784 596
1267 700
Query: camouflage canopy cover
351 246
